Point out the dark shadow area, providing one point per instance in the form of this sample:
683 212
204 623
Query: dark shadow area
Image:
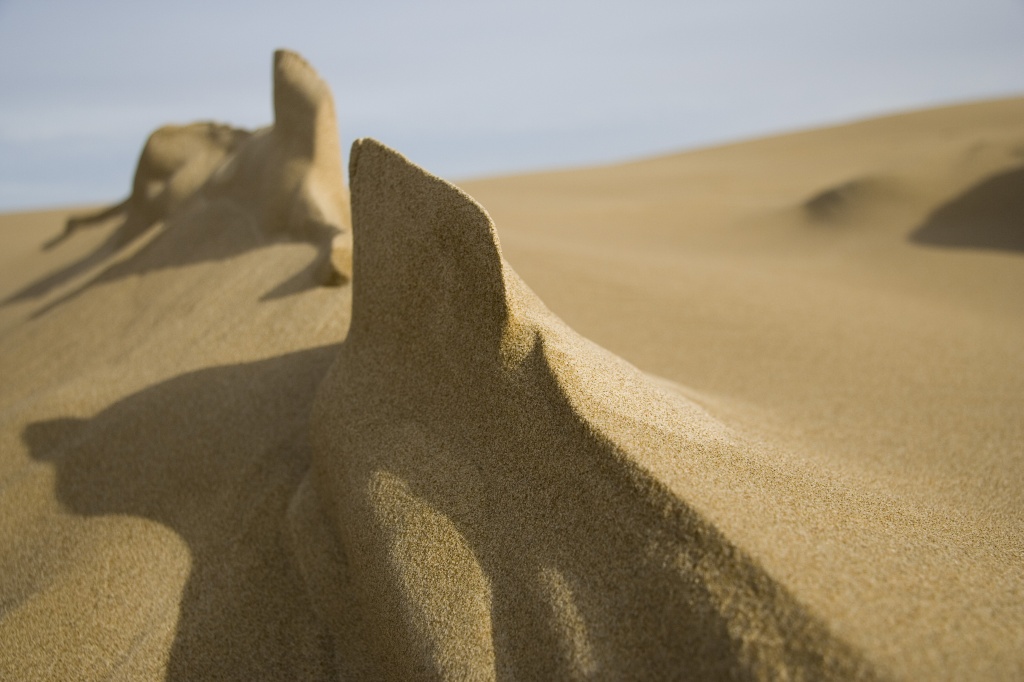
560 500
535 490
837 202
209 231
846 202
130 229
319 272
215 455
989 215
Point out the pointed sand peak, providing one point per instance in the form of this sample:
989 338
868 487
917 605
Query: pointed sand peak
501 490
428 271
303 106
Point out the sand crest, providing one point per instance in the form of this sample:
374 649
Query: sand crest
503 491
212 468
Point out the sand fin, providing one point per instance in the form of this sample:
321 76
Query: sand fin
427 268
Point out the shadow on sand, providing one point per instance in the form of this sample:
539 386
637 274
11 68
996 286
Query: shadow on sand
215 455
989 215
214 231
218 191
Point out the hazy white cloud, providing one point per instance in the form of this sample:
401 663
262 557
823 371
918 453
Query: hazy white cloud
478 87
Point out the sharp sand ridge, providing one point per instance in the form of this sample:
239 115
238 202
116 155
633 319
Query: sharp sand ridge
213 468
502 490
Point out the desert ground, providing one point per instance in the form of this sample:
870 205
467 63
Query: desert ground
744 412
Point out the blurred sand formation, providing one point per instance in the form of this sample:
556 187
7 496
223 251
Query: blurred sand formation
280 182
176 162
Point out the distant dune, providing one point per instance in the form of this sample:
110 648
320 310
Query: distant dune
765 423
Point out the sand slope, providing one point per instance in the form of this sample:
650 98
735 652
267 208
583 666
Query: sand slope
848 343
509 500
205 474
155 419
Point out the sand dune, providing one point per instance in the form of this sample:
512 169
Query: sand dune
209 182
795 454
850 201
509 499
988 216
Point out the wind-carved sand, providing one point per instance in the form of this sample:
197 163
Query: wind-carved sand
493 496
281 182
175 163
189 491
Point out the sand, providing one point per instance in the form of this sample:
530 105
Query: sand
765 423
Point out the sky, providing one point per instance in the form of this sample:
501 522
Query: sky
472 88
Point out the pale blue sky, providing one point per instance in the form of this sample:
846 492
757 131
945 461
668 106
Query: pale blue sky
472 88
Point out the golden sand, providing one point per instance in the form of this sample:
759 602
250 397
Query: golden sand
800 456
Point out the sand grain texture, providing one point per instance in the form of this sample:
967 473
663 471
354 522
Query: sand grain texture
795 454
506 495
